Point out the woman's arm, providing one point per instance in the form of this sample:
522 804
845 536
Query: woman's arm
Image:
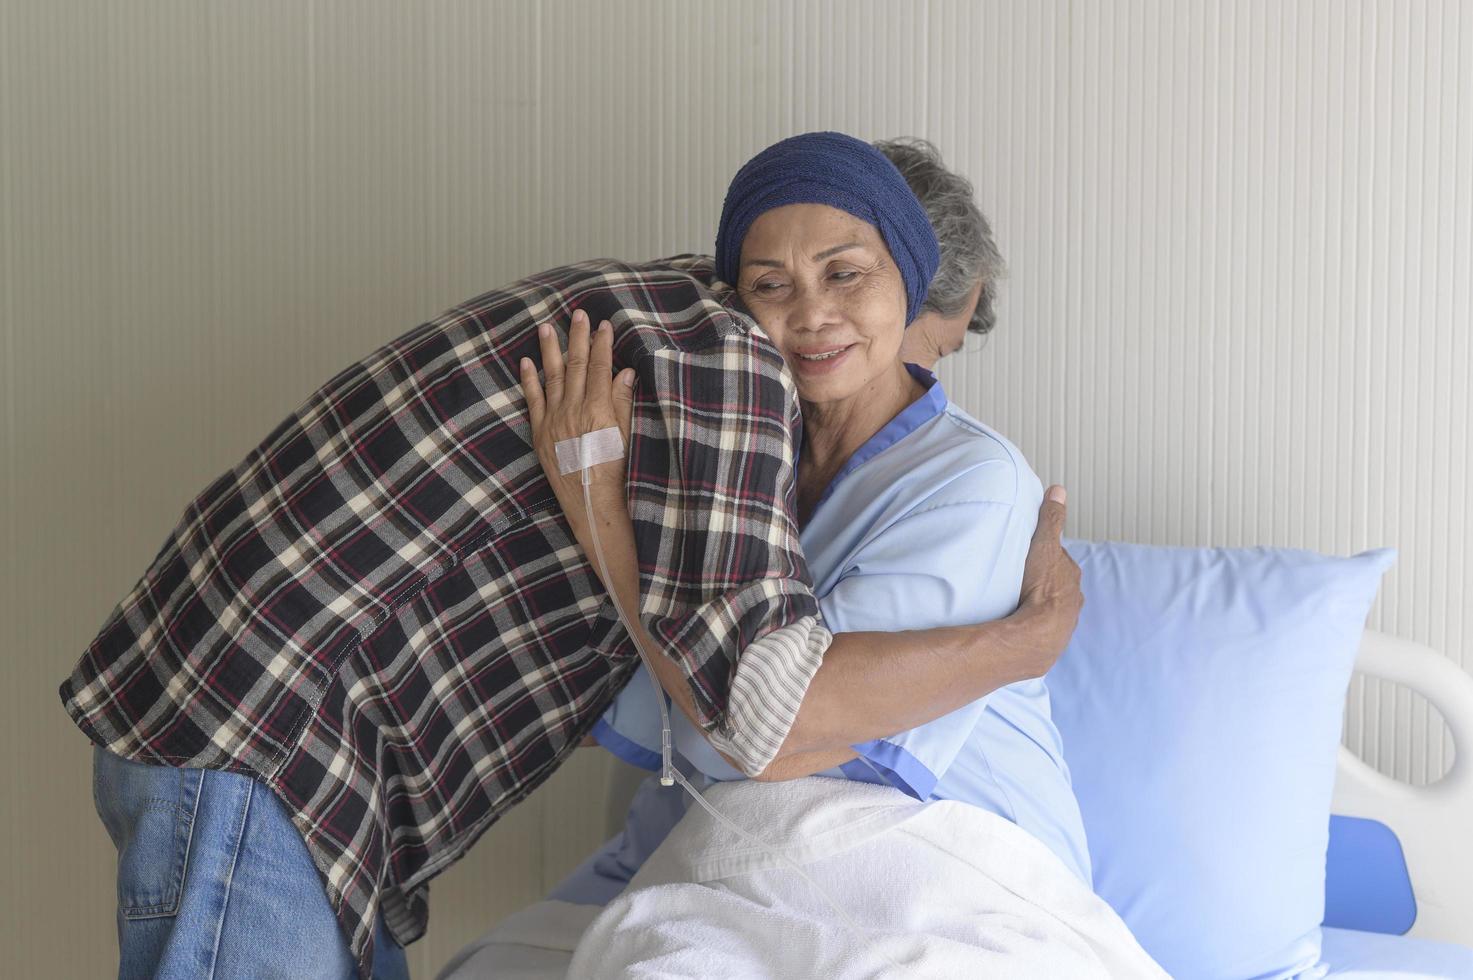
871 684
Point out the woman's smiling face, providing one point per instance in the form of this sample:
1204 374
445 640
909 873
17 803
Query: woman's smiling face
822 285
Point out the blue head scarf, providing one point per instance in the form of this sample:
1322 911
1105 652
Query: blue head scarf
844 173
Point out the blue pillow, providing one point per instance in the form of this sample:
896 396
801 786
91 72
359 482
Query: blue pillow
1200 703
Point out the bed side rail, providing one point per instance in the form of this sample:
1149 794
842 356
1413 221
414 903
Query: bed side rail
1433 823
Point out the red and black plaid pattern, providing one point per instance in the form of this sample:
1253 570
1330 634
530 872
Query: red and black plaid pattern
382 613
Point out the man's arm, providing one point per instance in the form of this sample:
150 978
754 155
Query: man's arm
910 678
874 684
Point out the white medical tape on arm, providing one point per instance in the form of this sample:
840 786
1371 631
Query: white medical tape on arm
590 449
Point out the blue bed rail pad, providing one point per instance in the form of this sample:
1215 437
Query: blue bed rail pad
1366 882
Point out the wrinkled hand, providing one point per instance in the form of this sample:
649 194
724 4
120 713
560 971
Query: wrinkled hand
1051 598
579 395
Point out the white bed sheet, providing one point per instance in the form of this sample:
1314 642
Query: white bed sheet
537 944
1353 955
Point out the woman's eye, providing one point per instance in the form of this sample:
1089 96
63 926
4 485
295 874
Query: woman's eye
767 287
844 275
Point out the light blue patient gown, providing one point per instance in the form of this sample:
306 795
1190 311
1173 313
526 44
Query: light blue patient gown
928 524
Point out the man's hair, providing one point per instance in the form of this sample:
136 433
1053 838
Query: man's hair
968 253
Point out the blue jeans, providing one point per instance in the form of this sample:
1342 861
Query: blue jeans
214 880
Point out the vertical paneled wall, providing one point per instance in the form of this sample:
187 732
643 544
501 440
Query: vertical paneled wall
1240 237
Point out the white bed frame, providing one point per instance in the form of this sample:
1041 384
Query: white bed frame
1434 823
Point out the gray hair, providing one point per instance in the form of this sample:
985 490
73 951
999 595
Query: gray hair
968 253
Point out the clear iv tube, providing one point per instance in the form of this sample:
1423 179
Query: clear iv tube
668 773
667 768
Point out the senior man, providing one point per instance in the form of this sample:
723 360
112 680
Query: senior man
960 299
377 633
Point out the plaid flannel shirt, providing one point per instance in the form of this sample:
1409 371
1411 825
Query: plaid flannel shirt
382 613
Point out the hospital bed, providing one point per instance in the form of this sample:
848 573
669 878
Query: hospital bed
1399 877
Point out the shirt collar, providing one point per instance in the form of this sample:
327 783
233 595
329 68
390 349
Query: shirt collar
912 417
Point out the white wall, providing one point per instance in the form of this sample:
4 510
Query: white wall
1240 233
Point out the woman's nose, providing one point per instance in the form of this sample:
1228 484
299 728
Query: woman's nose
812 309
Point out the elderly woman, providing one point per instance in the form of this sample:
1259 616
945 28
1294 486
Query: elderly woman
958 302
914 515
